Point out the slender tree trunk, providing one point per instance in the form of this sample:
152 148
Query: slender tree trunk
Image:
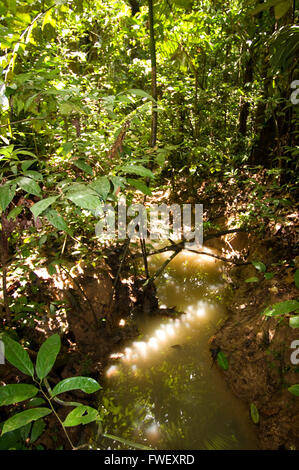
154 124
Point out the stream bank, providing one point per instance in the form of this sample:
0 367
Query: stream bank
259 348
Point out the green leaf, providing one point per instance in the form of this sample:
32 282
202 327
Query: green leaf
37 429
294 322
252 279
52 269
296 278
126 442
254 413
46 356
7 192
17 356
269 276
141 93
117 181
57 221
34 175
81 415
222 360
35 402
13 214
282 8
281 308
26 164
294 389
84 200
29 185
101 186
140 186
86 384
40 206
266 6
23 418
83 166
137 170
259 266
15 393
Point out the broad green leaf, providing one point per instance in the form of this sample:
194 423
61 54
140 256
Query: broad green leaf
140 186
296 278
137 170
259 266
13 214
52 269
252 279
126 442
268 276
81 415
294 322
26 164
266 6
117 181
254 413
35 402
141 93
37 429
294 389
23 418
57 221
40 206
282 8
17 356
86 384
281 308
29 185
84 200
66 108
7 192
34 175
101 186
16 392
46 356
83 166
222 360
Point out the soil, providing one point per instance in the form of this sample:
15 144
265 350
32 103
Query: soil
259 348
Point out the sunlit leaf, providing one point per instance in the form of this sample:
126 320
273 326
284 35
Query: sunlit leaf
17 355
81 415
294 322
39 207
254 413
294 389
23 418
46 356
281 308
16 392
86 384
222 360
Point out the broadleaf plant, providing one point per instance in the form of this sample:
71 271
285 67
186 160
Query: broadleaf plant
15 393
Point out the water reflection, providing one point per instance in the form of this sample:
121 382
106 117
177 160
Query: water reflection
163 391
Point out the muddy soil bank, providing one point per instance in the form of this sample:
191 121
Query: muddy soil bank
258 348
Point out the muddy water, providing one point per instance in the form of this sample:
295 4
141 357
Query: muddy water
164 391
